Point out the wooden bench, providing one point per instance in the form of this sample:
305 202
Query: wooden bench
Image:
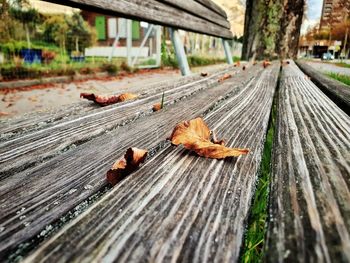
177 206
310 197
33 198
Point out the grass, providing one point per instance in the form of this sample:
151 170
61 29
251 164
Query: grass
342 78
255 234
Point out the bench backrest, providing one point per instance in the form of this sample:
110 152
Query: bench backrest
201 16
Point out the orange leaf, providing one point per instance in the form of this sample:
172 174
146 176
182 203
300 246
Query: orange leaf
195 135
224 77
238 63
125 166
266 63
157 107
107 100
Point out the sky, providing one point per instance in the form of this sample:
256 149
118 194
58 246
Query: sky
313 14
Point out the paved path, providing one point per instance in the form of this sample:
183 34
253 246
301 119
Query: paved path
328 67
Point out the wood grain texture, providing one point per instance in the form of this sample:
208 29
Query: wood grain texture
310 197
21 152
178 206
335 90
199 10
154 12
51 189
213 6
19 126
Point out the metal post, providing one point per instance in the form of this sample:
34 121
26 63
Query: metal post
227 51
116 40
142 45
180 52
128 40
159 46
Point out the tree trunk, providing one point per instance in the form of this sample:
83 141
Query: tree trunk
272 28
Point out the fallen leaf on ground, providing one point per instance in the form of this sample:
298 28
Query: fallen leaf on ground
125 166
194 135
237 64
266 63
224 77
107 100
204 74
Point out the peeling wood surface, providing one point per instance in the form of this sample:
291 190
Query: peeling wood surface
310 197
335 90
50 189
158 12
44 143
178 206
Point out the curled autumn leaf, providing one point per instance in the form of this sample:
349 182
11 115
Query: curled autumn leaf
195 135
108 100
204 74
125 166
224 77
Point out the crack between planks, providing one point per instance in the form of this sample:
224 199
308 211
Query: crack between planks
255 234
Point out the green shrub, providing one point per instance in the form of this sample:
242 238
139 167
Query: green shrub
342 78
112 69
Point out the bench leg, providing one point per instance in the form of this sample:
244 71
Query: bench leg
180 52
227 51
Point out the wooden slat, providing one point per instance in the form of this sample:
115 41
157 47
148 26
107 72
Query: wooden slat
178 206
24 151
199 10
153 12
49 190
213 6
335 90
310 197
12 128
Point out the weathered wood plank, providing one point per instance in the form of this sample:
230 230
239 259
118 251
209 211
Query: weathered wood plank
23 151
199 10
178 207
335 90
310 197
213 6
55 187
30 122
153 12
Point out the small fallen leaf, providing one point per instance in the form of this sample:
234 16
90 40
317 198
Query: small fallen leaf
194 135
204 74
108 100
3 114
125 166
157 107
224 77
237 64
266 63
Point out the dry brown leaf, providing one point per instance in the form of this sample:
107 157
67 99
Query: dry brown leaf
266 63
204 74
125 166
108 100
237 64
224 77
194 135
157 107
3 114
